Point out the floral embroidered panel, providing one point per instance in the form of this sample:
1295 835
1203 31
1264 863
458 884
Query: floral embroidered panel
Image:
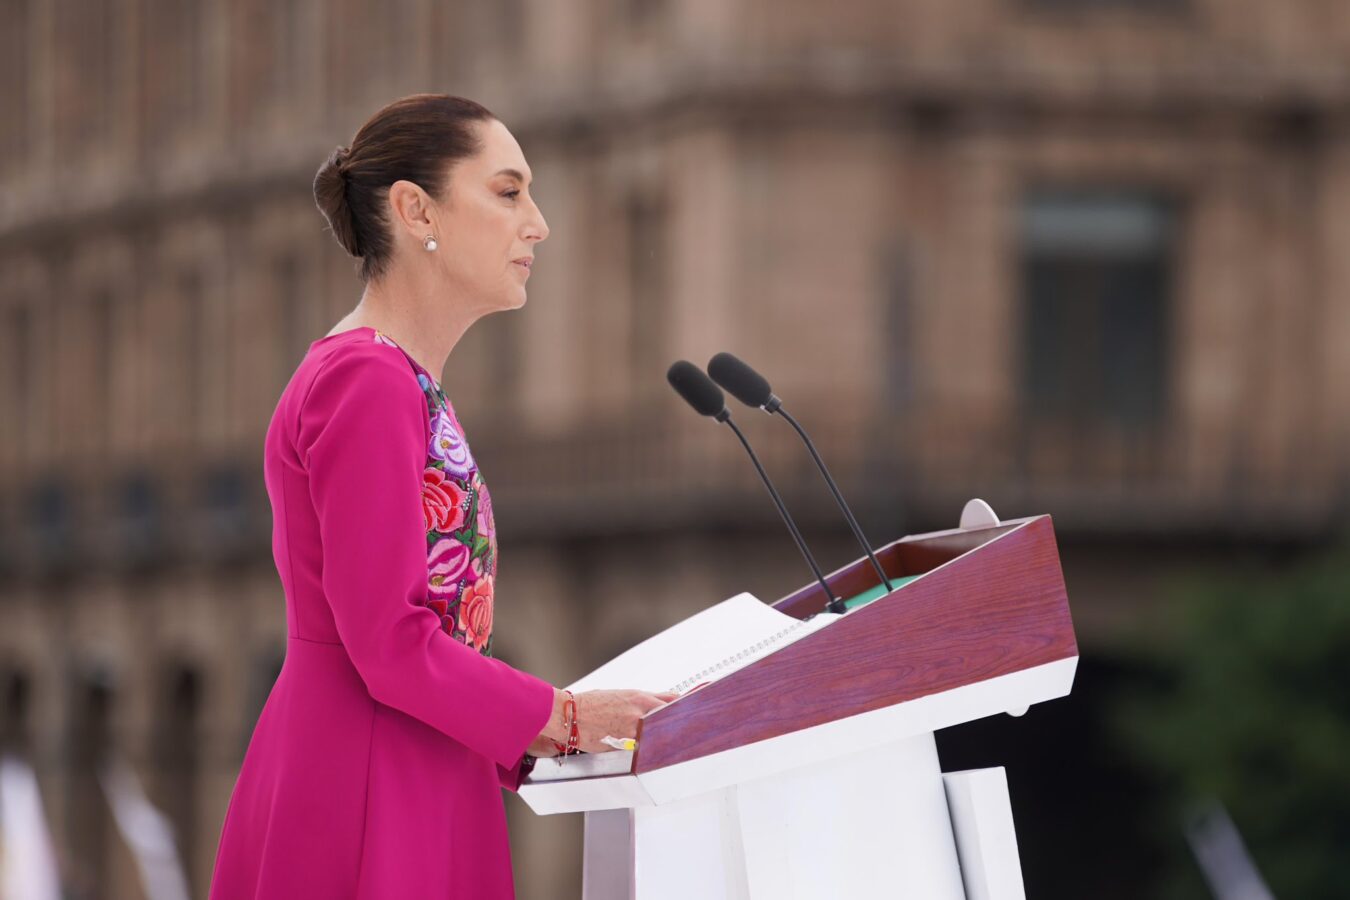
461 535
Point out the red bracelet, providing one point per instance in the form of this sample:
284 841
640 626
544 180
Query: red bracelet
573 733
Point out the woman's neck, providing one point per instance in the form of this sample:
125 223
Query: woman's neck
428 330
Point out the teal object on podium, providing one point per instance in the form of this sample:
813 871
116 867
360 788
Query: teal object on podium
876 592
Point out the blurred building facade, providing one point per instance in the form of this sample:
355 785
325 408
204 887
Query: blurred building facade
1084 257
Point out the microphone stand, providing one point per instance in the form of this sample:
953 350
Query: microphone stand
775 405
835 604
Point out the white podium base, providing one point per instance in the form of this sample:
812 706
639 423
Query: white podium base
986 841
872 825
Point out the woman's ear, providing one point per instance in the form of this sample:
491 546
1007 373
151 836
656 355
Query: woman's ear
411 208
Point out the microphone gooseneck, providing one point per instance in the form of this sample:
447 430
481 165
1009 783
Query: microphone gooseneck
699 391
752 389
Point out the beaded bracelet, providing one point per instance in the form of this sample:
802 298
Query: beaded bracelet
573 733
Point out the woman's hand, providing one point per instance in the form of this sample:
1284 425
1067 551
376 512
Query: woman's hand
601 713
541 747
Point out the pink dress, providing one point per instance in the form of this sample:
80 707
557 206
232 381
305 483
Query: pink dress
376 767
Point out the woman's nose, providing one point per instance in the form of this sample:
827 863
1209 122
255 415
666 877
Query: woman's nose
540 228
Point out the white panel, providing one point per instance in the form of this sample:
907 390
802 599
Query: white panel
607 863
870 825
690 848
582 794
985 839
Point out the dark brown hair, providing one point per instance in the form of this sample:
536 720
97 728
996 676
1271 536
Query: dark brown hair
413 139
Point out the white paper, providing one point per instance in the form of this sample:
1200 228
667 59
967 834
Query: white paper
724 634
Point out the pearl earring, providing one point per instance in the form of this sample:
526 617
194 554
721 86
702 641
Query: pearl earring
429 242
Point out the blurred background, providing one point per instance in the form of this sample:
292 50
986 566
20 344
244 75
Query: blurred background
1088 258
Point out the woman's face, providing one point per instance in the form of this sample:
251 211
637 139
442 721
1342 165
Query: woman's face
488 223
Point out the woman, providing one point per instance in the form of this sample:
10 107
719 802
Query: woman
376 767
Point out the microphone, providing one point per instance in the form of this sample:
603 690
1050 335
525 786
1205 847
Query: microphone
698 391
751 388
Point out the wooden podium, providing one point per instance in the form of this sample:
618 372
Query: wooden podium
812 772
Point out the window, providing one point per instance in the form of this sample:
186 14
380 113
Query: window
192 345
293 303
366 44
89 741
138 524
1088 6
171 91
15 63
14 734
642 15
102 337
1096 275
224 518
84 77
178 754
649 294
263 674
18 383
267 50
897 276
50 523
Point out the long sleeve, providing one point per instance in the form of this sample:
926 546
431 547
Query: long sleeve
510 777
362 436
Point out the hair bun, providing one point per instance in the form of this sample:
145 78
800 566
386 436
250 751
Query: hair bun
330 194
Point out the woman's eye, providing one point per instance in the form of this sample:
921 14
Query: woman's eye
511 194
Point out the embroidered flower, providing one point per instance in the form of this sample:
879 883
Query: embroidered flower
475 613
447 562
486 527
439 606
449 447
442 501
381 339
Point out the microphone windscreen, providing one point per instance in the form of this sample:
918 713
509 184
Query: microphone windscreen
696 388
741 381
